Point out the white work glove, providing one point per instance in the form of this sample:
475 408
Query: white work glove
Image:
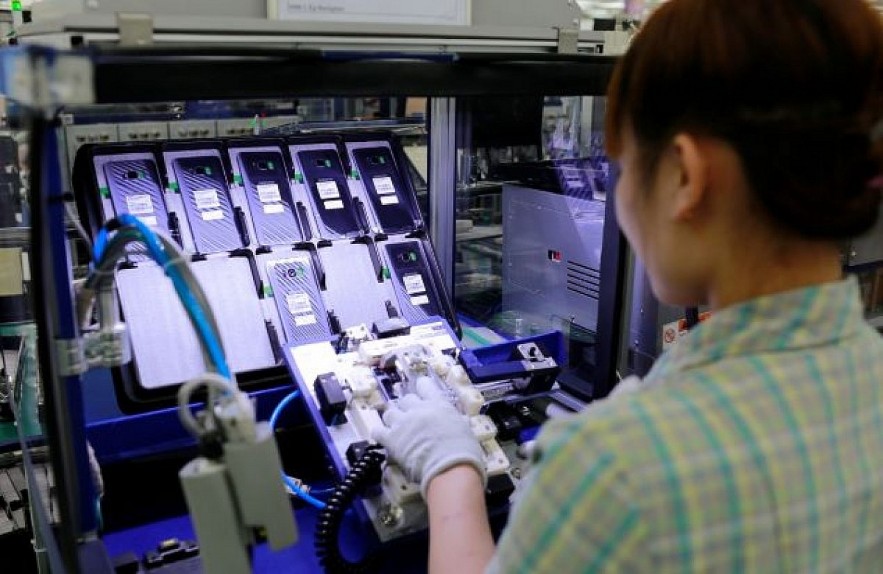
425 435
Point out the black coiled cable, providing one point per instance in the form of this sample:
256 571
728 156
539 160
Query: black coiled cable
331 517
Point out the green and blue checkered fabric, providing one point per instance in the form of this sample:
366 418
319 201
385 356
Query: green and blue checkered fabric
754 445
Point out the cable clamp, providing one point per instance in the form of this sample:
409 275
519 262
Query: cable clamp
71 357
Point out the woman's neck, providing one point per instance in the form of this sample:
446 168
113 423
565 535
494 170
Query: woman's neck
773 268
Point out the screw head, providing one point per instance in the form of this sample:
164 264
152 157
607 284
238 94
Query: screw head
390 515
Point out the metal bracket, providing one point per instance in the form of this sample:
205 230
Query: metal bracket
71 358
135 29
616 43
568 40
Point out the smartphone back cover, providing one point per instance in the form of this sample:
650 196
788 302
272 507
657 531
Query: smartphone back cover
386 191
206 200
269 197
298 300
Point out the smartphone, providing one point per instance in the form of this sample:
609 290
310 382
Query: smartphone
265 179
206 199
387 193
298 301
326 181
412 277
136 188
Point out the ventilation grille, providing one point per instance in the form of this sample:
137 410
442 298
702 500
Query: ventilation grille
583 280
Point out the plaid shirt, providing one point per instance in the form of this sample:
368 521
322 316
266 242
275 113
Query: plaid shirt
754 445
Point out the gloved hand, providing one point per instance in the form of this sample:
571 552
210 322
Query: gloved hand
425 435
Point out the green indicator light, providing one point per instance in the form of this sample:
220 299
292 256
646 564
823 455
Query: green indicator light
237 179
386 273
105 192
271 165
208 170
301 271
327 163
382 160
299 177
355 174
142 175
173 186
16 6
268 291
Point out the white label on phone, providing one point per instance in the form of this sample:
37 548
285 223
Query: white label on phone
298 303
327 189
301 308
269 193
384 186
303 320
274 208
149 220
139 204
414 284
213 215
336 204
388 200
206 199
420 300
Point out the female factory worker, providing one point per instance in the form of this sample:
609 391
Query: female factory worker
745 130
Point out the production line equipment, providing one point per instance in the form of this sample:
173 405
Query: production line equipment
312 257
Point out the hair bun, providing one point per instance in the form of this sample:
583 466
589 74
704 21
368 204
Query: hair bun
835 197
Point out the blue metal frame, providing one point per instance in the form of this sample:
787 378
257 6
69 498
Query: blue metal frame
66 328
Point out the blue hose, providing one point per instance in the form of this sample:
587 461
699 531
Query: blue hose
154 247
302 494
298 491
274 418
100 245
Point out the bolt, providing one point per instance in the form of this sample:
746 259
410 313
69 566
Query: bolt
390 515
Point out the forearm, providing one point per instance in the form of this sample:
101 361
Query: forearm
460 540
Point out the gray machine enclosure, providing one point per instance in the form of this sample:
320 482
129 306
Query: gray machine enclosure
540 287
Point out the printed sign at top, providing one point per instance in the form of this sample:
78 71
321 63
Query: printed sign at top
443 12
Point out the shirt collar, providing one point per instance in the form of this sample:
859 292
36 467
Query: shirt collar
803 318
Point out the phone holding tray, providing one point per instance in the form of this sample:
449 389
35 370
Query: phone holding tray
265 179
206 199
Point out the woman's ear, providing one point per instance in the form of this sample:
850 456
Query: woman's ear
691 160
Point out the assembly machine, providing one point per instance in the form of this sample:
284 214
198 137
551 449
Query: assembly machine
227 297
231 289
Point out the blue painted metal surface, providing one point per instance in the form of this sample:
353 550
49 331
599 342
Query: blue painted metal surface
551 343
62 278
